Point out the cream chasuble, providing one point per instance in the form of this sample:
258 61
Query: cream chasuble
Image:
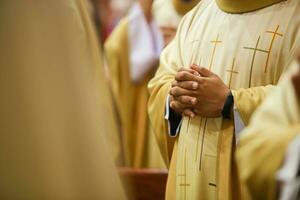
261 152
249 52
56 110
140 146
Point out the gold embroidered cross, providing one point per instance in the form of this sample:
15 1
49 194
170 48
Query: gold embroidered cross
184 184
274 34
255 50
231 71
215 43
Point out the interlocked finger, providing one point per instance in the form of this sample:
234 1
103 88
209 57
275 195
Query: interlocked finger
187 100
189 85
178 91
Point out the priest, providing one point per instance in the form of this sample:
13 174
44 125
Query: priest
56 113
225 58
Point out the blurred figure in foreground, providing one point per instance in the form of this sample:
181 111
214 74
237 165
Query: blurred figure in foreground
268 154
55 106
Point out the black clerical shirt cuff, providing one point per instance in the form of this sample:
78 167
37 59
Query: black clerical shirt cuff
174 119
228 106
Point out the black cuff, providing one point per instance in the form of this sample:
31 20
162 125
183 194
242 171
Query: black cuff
226 112
174 119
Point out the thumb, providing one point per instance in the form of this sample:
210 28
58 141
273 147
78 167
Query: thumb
202 71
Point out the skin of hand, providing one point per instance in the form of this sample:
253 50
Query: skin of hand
179 107
204 94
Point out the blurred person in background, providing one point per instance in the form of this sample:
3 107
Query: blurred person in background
133 51
108 13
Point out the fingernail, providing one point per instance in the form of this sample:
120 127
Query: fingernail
196 73
195 85
194 101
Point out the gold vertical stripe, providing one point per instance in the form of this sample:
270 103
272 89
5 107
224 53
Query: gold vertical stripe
275 33
253 58
198 138
203 135
215 42
231 71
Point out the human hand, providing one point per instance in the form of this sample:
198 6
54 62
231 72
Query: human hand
208 98
183 104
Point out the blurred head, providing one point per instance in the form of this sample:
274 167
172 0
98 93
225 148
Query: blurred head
107 14
184 6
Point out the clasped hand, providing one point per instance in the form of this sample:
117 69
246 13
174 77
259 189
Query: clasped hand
198 91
